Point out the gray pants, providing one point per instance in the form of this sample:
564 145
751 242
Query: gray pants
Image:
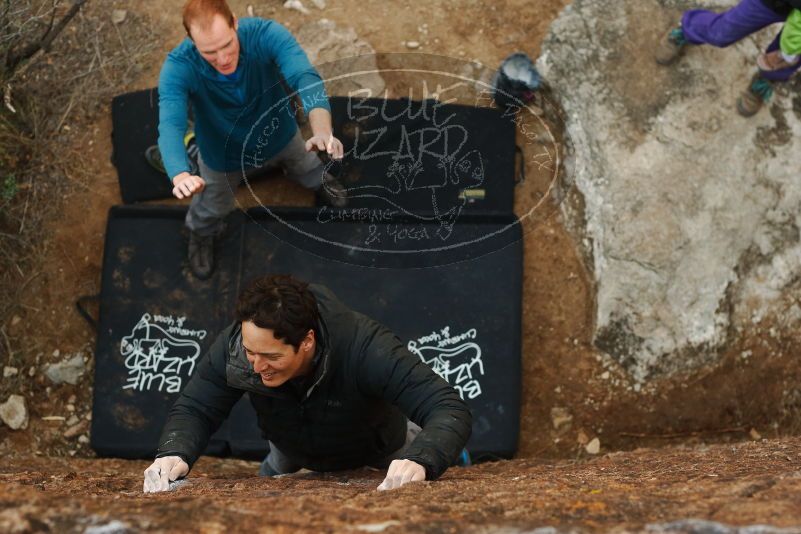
277 463
210 206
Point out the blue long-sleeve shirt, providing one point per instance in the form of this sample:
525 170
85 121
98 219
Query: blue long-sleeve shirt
240 120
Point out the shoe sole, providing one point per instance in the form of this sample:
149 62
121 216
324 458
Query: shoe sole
666 62
744 112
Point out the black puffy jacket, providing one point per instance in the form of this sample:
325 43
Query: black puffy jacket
353 413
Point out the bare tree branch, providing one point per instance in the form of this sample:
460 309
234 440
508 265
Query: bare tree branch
17 57
52 21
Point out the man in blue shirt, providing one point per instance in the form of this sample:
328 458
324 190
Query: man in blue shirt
230 72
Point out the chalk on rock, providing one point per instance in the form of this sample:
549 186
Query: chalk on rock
175 484
14 413
594 446
9 371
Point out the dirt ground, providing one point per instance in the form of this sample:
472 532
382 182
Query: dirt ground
57 485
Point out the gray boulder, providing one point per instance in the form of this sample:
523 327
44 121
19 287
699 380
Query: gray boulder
691 213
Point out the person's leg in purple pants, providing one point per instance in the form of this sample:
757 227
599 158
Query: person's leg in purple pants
723 29
700 26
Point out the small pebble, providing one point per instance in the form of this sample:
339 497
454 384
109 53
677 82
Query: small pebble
118 16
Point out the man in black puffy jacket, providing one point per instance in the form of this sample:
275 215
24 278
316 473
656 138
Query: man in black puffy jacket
699 26
333 390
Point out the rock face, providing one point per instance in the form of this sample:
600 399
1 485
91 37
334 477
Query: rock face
691 213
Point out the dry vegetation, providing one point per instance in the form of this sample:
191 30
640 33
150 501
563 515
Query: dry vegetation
60 64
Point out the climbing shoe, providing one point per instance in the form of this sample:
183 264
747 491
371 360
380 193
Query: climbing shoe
670 46
750 101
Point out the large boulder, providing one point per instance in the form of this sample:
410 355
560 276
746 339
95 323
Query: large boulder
691 213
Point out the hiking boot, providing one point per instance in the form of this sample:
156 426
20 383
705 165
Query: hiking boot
153 157
332 193
670 47
201 255
770 61
759 91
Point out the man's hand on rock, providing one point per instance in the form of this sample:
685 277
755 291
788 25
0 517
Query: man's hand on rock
185 185
163 471
402 472
326 143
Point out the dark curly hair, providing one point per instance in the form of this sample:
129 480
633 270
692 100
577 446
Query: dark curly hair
282 304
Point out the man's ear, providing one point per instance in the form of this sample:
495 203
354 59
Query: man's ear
309 339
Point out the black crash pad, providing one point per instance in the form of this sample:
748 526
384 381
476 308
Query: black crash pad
402 154
459 310
134 122
421 155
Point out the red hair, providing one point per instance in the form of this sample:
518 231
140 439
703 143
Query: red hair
202 12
